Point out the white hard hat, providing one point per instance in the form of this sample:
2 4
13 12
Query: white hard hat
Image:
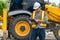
36 5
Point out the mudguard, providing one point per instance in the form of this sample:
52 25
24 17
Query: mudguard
16 12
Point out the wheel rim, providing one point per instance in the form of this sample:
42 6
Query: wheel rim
59 32
22 28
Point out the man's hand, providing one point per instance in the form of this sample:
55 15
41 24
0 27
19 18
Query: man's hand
39 20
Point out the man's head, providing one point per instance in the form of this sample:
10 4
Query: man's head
37 6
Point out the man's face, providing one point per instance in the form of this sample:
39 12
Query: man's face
38 10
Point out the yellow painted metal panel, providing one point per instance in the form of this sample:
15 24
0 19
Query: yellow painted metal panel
4 26
53 13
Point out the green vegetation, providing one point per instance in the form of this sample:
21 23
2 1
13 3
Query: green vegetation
59 5
54 4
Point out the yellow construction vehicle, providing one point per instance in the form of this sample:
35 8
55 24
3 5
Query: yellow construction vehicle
53 16
17 21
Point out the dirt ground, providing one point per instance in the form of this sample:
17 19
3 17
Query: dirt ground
49 36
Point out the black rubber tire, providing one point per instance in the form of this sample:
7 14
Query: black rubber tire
51 26
55 31
12 27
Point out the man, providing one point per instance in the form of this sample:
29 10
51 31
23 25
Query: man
39 30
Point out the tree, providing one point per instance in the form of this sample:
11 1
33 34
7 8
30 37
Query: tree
54 4
59 5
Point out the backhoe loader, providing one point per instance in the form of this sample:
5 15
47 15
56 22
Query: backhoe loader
17 20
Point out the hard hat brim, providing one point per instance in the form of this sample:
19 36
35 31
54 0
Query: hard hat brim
36 7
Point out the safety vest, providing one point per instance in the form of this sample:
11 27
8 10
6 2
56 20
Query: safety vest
42 18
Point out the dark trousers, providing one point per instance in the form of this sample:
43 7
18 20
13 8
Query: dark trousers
38 32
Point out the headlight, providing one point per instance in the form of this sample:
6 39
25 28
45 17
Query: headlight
0 23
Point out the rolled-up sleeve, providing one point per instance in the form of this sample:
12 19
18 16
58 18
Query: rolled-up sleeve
45 18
